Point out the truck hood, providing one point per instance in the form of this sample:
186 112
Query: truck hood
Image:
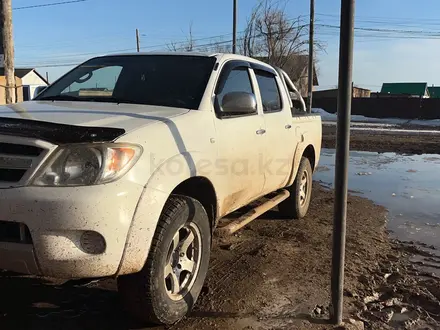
90 114
62 122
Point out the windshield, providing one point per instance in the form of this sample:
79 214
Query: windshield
164 80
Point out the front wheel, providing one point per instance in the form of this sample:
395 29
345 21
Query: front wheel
297 205
166 289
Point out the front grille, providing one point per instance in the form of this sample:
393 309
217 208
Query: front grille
13 232
19 149
15 161
10 175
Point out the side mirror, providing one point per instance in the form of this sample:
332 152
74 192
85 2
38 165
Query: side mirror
239 103
39 89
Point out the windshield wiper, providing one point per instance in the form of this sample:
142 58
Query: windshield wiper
60 98
87 99
116 100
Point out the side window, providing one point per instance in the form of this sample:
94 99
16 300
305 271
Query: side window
270 93
237 81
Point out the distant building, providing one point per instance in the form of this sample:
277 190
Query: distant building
405 89
434 92
356 92
27 81
297 67
31 80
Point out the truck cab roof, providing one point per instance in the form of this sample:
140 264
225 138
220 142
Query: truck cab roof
219 56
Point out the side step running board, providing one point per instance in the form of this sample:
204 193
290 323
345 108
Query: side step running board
243 220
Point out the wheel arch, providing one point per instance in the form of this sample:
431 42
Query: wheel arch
309 153
201 189
302 150
149 210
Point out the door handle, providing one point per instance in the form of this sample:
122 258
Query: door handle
288 126
261 131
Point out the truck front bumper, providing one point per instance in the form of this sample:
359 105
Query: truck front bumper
66 232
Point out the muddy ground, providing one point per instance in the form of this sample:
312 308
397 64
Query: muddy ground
385 142
274 274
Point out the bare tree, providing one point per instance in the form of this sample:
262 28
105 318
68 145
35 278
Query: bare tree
187 46
214 45
173 47
249 46
274 37
219 46
272 34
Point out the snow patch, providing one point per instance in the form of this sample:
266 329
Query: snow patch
332 117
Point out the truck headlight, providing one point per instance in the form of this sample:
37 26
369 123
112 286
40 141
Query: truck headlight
85 165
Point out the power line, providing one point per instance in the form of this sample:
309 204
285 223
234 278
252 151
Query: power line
390 35
165 44
57 64
197 47
51 65
49 4
151 46
39 45
375 33
64 42
424 19
392 21
95 40
168 44
385 30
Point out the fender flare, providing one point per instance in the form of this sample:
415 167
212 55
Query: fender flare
149 208
299 152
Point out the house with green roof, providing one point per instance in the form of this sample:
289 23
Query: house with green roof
406 89
434 92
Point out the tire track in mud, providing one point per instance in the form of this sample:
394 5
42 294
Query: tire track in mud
230 273
425 260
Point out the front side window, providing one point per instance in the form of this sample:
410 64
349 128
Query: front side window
270 94
162 80
238 81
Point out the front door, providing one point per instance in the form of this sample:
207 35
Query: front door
240 140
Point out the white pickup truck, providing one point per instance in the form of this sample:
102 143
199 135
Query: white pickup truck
124 166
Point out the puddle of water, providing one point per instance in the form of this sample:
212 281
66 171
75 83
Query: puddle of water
408 186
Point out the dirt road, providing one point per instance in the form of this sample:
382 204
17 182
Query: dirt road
275 274
366 140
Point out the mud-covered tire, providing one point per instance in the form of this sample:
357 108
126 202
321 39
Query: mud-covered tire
147 295
297 205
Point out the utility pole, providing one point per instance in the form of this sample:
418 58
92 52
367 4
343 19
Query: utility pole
311 56
7 49
342 156
138 46
234 28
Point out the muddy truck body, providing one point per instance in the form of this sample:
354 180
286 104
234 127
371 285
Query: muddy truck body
124 166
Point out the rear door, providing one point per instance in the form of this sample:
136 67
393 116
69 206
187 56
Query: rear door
280 138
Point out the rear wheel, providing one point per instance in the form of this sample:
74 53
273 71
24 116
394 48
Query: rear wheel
166 289
297 205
